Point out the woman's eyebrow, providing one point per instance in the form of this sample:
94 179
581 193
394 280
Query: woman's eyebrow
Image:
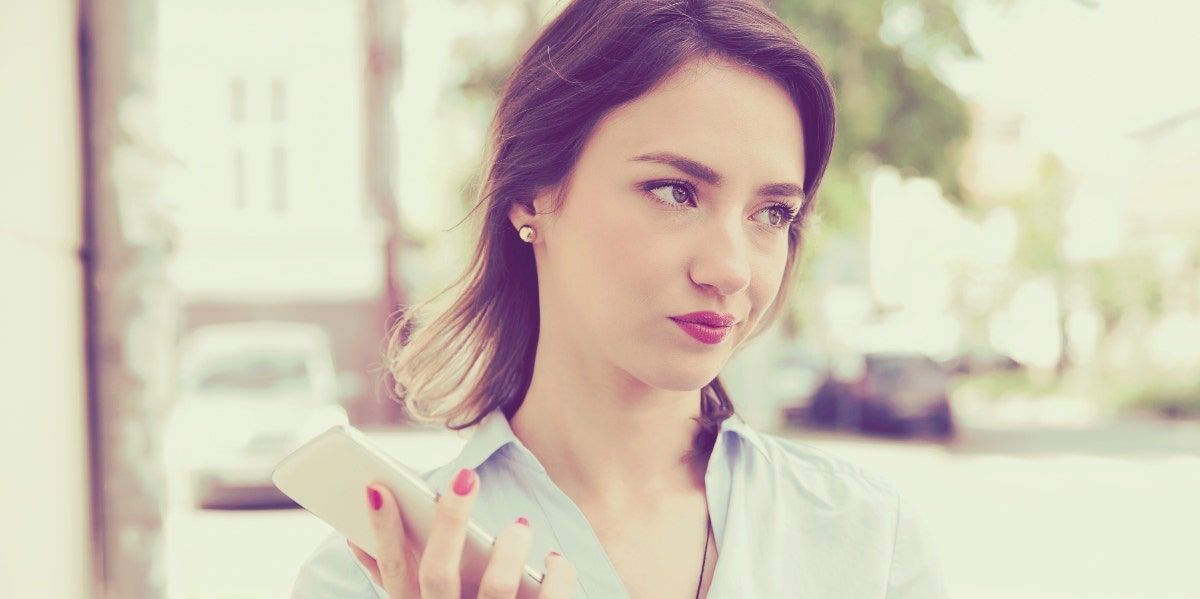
782 190
687 165
712 177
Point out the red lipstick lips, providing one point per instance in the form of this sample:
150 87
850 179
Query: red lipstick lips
705 327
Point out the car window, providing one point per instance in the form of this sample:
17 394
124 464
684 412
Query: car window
268 372
895 373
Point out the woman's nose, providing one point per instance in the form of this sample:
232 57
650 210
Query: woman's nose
721 260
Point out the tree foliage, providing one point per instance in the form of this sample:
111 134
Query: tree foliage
892 109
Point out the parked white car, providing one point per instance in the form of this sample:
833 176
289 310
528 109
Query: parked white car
250 393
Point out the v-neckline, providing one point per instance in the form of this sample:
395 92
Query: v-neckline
579 541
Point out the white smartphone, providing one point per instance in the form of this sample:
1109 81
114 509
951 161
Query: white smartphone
328 476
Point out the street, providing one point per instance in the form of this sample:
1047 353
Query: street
1039 513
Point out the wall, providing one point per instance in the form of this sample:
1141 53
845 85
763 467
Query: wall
44 507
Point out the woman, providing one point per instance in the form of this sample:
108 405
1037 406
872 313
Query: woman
653 162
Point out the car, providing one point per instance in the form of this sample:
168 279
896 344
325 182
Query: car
899 394
250 393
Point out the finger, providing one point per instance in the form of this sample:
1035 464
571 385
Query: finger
439 570
507 564
366 560
391 556
559 581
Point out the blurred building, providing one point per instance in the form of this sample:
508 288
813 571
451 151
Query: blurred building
1004 162
1164 217
999 161
1167 204
263 107
1124 128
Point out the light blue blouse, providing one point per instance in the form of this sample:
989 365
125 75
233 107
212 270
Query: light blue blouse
790 521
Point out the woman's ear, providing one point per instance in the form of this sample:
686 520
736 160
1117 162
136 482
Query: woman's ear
520 214
534 212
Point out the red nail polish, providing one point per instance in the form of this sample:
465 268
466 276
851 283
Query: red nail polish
375 498
464 482
555 554
522 521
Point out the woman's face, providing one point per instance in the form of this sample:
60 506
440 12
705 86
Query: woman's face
678 206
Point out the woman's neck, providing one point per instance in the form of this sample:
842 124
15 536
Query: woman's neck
609 439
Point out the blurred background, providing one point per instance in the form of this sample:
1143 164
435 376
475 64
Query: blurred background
210 209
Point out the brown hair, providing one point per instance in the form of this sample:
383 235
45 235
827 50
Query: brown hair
595 56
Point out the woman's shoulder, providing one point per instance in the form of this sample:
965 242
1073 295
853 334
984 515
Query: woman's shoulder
809 469
819 504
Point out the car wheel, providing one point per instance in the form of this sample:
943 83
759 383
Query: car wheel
941 423
823 411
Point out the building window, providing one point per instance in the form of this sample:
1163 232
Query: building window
237 101
239 178
279 178
278 100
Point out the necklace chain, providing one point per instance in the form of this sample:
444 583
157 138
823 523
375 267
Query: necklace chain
704 560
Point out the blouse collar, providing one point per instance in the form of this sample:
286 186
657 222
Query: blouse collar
494 435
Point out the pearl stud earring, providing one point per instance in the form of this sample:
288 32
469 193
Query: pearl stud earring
527 233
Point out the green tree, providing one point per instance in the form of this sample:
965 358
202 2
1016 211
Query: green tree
892 109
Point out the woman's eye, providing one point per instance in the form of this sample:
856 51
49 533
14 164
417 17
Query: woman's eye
673 194
776 216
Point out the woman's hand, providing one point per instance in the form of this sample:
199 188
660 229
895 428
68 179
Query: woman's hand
435 575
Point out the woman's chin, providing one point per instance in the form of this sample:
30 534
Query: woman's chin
669 379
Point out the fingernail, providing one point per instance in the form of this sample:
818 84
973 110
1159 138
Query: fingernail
522 521
555 554
375 498
464 482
